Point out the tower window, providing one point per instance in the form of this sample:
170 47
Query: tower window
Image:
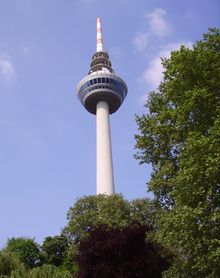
103 80
99 80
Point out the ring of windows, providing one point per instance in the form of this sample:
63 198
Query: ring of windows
102 83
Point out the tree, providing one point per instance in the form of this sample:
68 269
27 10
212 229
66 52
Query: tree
54 249
92 211
27 250
120 253
180 137
143 211
49 271
112 211
8 263
45 271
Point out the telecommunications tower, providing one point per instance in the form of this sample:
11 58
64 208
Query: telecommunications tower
102 92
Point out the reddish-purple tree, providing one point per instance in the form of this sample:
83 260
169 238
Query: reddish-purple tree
120 253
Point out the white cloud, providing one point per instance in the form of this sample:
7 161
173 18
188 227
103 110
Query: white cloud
140 41
153 75
6 68
159 26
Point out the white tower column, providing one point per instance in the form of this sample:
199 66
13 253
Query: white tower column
104 168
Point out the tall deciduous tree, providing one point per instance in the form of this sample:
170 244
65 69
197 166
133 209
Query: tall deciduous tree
180 137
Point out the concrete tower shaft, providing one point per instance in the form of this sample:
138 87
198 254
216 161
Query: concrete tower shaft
104 165
102 92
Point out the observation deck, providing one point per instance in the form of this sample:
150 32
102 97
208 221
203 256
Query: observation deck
101 83
99 86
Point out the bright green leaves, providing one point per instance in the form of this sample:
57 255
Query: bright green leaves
112 211
91 211
8 263
55 249
180 137
27 250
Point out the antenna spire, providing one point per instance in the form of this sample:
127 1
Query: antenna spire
99 45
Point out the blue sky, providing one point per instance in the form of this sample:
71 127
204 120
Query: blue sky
47 139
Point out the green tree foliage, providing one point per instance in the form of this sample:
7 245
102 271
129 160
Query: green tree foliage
112 211
120 253
180 137
44 271
8 263
27 250
143 211
49 271
56 256
54 249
